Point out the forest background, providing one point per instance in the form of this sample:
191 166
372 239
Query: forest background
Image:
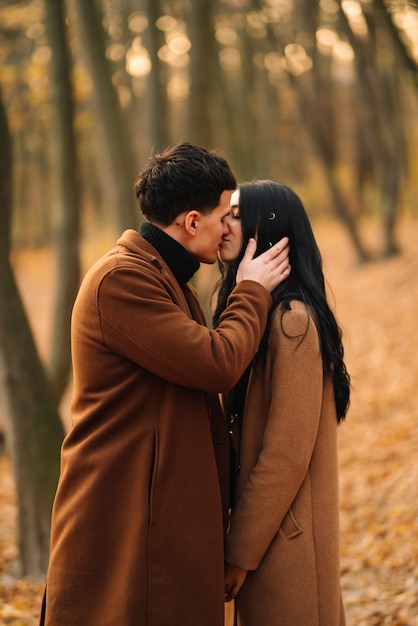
319 94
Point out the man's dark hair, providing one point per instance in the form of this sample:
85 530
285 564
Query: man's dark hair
183 177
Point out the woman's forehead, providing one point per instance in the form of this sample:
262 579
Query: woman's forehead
235 198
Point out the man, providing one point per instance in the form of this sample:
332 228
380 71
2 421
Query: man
139 516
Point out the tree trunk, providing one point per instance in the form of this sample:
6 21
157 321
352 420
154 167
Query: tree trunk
397 38
378 113
157 95
32 425
319 115
310 89
63 165
201 73
117 167
251 118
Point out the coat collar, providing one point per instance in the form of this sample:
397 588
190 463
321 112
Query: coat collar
181 263
179 260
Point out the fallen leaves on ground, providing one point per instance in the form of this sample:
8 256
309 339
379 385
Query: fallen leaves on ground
376 306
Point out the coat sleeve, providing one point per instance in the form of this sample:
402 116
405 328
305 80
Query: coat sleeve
142 321
288 441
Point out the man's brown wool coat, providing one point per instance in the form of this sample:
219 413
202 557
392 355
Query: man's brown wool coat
138 520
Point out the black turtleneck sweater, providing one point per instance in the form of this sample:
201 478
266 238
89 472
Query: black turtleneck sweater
182 263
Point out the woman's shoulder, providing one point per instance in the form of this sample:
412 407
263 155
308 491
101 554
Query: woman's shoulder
294 320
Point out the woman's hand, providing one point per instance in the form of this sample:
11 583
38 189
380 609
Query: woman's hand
234 579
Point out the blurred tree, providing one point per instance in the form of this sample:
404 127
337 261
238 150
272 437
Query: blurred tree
255 100
66 199
379 113
227 101
244 105
398 39
315 89
325 91
328 122
157 100
23 91
115 157
33 428
202 57
254 109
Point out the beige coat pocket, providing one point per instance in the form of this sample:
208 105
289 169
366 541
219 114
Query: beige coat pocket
290 528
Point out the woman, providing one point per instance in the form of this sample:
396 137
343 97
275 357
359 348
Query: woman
282 549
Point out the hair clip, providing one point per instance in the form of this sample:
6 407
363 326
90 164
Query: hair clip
272 216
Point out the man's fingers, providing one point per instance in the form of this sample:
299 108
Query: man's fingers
269 269
281 258
250 250
279 252
281 248
284 269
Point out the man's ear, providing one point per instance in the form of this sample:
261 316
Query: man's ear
191 222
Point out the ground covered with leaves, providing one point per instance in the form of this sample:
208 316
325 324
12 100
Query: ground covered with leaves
376 305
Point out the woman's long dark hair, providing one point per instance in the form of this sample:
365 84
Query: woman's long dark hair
270 211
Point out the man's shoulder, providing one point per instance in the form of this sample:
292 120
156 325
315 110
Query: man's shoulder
131 259
132 245
131 250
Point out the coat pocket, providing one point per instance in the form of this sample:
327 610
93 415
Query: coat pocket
290 528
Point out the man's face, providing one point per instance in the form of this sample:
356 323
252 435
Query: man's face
211 229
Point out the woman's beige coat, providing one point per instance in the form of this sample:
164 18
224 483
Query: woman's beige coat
138 526
285 523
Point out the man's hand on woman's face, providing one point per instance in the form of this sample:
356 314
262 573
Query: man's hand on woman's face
270 268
